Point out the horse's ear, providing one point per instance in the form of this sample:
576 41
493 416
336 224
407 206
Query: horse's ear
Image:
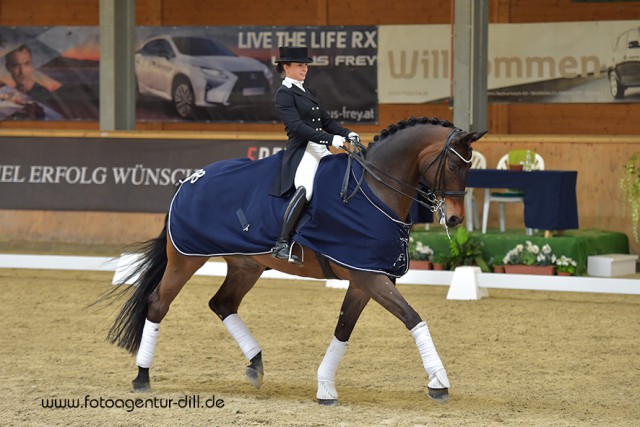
472 137
477 135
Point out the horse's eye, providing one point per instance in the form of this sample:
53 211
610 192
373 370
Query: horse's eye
454 165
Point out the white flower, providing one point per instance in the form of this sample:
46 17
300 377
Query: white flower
423 249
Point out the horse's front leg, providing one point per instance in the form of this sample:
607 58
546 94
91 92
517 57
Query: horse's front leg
352 306
382 290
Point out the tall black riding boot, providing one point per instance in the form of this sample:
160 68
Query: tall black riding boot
283 249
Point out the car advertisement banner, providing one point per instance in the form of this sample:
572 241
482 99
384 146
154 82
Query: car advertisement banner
114 174
560 62
229 72
186 73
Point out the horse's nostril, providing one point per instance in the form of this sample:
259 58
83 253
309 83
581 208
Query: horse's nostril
454 220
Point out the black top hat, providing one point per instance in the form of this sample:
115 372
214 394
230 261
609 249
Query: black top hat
293 54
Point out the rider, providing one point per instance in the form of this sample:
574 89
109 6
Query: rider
310 130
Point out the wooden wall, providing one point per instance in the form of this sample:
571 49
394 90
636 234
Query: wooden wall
589 138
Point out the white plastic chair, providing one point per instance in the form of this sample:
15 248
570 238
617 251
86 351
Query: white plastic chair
478 161
508 196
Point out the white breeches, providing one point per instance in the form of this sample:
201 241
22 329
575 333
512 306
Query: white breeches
306 172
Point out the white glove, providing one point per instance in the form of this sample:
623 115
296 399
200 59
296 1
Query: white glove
338 141
354 136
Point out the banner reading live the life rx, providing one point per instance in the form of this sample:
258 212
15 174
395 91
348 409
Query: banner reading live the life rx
186 73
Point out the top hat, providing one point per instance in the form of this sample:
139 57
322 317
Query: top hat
293 54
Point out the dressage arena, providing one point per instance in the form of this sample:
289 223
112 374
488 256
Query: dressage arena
518 358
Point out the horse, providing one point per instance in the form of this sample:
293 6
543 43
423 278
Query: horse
392 167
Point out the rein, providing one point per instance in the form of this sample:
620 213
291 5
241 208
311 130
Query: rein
435 198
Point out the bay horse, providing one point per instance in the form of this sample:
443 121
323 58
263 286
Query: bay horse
392 166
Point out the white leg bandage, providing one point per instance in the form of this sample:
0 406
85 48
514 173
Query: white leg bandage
430 359
147 344
239 331
328 368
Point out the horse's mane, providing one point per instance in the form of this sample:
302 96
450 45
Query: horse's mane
411 121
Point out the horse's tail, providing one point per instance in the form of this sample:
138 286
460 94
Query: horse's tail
146 272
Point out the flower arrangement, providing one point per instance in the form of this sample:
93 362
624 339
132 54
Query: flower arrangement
530 254
630 187
564 264
419 251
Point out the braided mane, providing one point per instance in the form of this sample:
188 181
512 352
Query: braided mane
411 121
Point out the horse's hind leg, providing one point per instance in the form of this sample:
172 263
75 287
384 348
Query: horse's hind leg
354 302
242 274
383 291
178 271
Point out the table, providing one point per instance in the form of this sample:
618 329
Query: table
550 201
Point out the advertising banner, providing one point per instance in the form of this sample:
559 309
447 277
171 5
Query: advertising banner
49 73
560 62
228 72
222 74
95 174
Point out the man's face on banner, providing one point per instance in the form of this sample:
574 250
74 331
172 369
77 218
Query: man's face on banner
21 69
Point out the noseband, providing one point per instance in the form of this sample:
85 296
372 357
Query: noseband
440 158
434 197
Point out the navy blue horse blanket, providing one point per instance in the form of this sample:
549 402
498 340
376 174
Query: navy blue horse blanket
225 209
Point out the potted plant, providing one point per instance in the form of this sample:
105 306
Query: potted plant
420 255
464 249
630 187
440 262
497 265
565 266
530 259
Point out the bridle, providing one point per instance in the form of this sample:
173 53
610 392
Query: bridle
435 198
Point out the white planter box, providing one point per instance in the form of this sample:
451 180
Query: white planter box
611 265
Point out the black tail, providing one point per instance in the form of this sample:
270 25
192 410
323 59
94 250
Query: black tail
126 331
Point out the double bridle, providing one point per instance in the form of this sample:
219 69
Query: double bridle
434 197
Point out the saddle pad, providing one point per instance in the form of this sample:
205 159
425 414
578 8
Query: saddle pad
225 209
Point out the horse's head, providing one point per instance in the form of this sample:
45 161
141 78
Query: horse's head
429 149
444 167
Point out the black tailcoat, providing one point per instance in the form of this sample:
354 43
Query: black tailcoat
304 120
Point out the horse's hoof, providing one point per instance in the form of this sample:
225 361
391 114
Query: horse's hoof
328 402
255 371
142 383
440 395
141 387
254 376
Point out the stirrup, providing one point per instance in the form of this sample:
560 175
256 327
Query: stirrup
284 251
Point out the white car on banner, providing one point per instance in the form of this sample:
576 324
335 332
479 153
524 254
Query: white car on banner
624 71
194 71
